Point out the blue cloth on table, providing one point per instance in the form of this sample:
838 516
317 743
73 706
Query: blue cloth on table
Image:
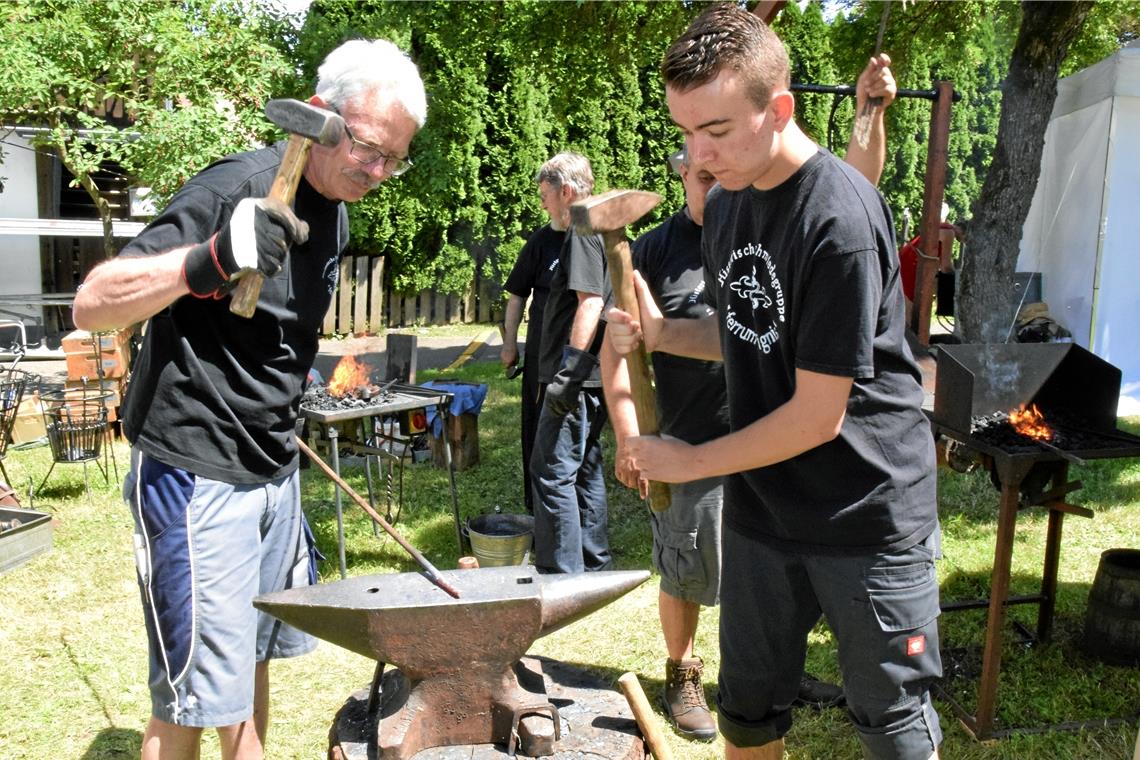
466 398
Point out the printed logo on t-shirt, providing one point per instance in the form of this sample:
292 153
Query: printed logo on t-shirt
754 289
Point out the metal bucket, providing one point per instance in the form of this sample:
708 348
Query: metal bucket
500 540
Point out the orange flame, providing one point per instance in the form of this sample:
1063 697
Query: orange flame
348 375
1030 423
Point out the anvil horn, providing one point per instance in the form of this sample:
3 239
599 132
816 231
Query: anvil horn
403 619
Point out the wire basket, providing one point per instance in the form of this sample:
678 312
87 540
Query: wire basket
13 383
76 422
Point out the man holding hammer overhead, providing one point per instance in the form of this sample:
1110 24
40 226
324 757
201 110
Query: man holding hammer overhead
829 500
210 413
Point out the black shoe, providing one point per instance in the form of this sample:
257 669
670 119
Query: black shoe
818 695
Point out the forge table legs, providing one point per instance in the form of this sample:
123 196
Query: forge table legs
981 724
995 619
442 404
334 453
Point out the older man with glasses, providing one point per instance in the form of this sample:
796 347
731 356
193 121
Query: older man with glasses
210 413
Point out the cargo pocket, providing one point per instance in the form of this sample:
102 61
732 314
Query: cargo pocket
679 560
903 598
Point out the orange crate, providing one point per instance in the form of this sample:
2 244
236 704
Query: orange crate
83 342
81 366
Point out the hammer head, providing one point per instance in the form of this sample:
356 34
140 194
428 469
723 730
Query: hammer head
611 210
305 119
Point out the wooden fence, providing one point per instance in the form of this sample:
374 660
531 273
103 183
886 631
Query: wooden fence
364 303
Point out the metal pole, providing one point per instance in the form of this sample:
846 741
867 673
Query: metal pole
928 259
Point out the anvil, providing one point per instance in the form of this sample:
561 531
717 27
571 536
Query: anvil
457 655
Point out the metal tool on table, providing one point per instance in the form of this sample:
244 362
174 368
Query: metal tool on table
458 679
608 214
867 114
432 574
305 124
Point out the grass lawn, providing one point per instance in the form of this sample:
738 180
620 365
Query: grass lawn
73 684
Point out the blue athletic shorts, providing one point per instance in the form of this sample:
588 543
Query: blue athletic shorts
203 550
686 541
883 610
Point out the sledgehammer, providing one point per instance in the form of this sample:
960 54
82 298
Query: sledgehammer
305 124
608 214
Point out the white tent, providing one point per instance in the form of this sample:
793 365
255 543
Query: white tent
1081 230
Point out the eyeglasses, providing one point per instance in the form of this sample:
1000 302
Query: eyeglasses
366 153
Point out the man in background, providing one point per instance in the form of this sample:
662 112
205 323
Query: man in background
571 512
530 278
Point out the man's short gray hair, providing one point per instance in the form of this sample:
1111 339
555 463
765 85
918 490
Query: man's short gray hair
571 169
359 66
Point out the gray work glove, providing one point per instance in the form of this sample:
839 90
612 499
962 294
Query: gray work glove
562 393
257 236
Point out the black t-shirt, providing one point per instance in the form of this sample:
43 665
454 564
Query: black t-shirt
531 276
691 403
214 393
806 276
582 269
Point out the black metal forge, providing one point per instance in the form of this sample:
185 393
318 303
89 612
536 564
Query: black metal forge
366 405
1076 392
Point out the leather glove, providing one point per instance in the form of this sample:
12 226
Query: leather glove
257 236
562 393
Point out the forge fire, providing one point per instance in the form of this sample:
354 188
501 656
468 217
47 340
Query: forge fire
1030 422
348 375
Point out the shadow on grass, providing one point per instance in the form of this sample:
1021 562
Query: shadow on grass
113 744
1042 683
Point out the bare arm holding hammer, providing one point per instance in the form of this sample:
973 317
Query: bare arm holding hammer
696 338
129 289
875 81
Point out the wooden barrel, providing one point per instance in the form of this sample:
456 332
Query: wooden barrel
1112 621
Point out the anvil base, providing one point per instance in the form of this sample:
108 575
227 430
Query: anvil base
595 720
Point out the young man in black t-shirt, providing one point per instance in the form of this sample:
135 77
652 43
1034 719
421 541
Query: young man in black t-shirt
210 413
692 406
829 503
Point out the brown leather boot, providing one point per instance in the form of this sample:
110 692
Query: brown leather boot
684 700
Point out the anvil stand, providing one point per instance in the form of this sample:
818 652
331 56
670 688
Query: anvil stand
442 402
1011 473
548 696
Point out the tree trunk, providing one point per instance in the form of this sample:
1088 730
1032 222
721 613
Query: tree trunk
104 209
986 309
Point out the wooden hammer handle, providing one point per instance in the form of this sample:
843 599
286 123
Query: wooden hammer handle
640 386
243 302
644 716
